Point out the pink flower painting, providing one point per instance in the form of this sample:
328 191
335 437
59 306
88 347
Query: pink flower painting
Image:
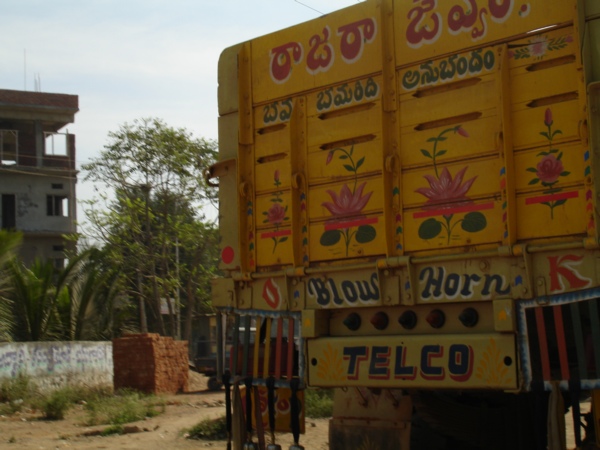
550 167
346 206
447 192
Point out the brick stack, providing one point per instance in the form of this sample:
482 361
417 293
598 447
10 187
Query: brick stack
150 363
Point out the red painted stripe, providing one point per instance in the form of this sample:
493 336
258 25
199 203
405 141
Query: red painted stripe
455 210
278 347
541 327
290 348
551 197
562 344
273 234
350 223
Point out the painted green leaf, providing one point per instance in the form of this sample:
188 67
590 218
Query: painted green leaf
360 162
349 168
426 153
430 229
474 222
560 202
441 152
365 233
531 169
330 237
534 181
565 173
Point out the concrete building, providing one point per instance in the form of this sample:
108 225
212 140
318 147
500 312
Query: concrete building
37 171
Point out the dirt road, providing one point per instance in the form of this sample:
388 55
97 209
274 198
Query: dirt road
166 431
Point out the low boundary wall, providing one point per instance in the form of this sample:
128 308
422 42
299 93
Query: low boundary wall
55 364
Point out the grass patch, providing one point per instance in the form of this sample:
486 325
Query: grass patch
209 429
123 407
113 429
16 393
318 403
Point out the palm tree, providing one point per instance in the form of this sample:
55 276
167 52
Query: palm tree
9 241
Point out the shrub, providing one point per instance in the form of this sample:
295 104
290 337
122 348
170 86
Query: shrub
15 392
55 405
209 429
124 407
318 403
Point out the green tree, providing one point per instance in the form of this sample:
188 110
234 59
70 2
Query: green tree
9 241
149 219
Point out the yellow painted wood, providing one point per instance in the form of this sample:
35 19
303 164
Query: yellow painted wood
299 143
273 176
480 138
331 131
486 361
272 141
479 177
425 28
245 163
396 121
347 245
548 47
445 230
537 220
571 162
325 166
339 38
449 104
566 118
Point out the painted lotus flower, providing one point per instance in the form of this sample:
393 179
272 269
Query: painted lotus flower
445 189
347 203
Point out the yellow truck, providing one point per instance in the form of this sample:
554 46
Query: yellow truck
409 215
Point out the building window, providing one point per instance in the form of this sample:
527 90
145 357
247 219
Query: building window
57 205
9 147
55 144
9 211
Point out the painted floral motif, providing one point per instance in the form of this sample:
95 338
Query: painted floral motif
491 368
348 223
446 193
550 168
277 213
331 365
538 47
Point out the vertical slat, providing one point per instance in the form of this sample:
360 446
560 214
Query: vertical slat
595 333
579 343
235 345
541 328
247 323
290 348
278 348
255 368
560 339
220 346
267 353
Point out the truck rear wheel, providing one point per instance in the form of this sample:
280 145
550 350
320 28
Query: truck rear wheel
449 421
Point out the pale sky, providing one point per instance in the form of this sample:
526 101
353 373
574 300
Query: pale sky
130 59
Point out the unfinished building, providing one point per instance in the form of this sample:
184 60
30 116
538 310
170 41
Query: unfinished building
38 172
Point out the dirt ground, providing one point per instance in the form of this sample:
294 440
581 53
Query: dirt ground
166 431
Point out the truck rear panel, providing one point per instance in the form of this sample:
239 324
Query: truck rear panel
396 162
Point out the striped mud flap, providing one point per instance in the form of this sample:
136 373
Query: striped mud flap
261 356
559 340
